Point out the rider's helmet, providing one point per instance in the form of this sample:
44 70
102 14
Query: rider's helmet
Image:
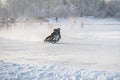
58 29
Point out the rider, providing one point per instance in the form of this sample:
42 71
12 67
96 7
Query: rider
54 37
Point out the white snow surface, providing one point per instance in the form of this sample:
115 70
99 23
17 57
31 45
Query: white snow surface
89 50
11 71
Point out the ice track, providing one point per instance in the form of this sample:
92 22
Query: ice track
89 50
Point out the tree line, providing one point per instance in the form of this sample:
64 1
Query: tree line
59 8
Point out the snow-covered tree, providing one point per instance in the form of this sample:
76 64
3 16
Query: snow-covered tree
114 8
60 8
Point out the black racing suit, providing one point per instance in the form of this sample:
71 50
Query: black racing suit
54 37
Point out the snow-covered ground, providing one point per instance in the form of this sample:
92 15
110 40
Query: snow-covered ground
89 50
11 71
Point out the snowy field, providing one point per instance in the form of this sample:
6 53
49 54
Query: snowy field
89 50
